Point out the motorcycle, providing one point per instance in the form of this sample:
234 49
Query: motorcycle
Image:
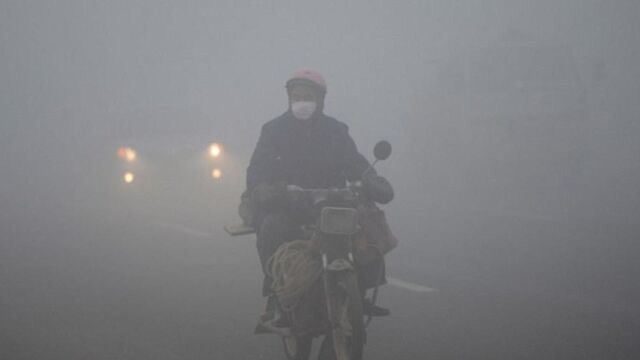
332 305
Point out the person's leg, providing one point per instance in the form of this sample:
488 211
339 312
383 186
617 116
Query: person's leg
275 229
371 276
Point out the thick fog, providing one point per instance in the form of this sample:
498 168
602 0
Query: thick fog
516 165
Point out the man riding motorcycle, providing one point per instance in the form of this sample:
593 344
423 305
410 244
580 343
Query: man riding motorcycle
306 148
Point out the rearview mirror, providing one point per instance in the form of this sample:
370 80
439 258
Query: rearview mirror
382 150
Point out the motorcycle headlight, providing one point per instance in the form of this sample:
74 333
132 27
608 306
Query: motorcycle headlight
338 221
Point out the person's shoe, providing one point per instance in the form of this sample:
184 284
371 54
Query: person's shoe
267 324
271 318
370 309
267 315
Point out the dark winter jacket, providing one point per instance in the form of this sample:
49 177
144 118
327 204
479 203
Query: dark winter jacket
316 154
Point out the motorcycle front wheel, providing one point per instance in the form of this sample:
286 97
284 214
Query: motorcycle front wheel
337 346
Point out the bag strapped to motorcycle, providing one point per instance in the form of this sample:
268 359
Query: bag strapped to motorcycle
375 239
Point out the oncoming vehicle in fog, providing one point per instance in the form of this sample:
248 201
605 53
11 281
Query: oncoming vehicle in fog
180 177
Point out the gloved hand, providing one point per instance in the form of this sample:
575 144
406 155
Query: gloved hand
378 188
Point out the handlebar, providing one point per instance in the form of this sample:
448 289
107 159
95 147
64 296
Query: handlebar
318 195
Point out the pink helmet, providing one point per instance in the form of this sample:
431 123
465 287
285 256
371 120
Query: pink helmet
309 77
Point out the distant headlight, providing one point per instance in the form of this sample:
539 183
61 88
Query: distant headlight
215 150
127 153
128 177
216 174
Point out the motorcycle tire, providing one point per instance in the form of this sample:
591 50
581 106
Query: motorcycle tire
351 347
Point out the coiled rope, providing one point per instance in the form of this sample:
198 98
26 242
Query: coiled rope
294 268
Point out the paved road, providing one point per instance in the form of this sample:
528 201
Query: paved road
148 289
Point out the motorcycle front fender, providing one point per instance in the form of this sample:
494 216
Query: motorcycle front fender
339 265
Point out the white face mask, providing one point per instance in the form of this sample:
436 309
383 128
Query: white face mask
303 110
